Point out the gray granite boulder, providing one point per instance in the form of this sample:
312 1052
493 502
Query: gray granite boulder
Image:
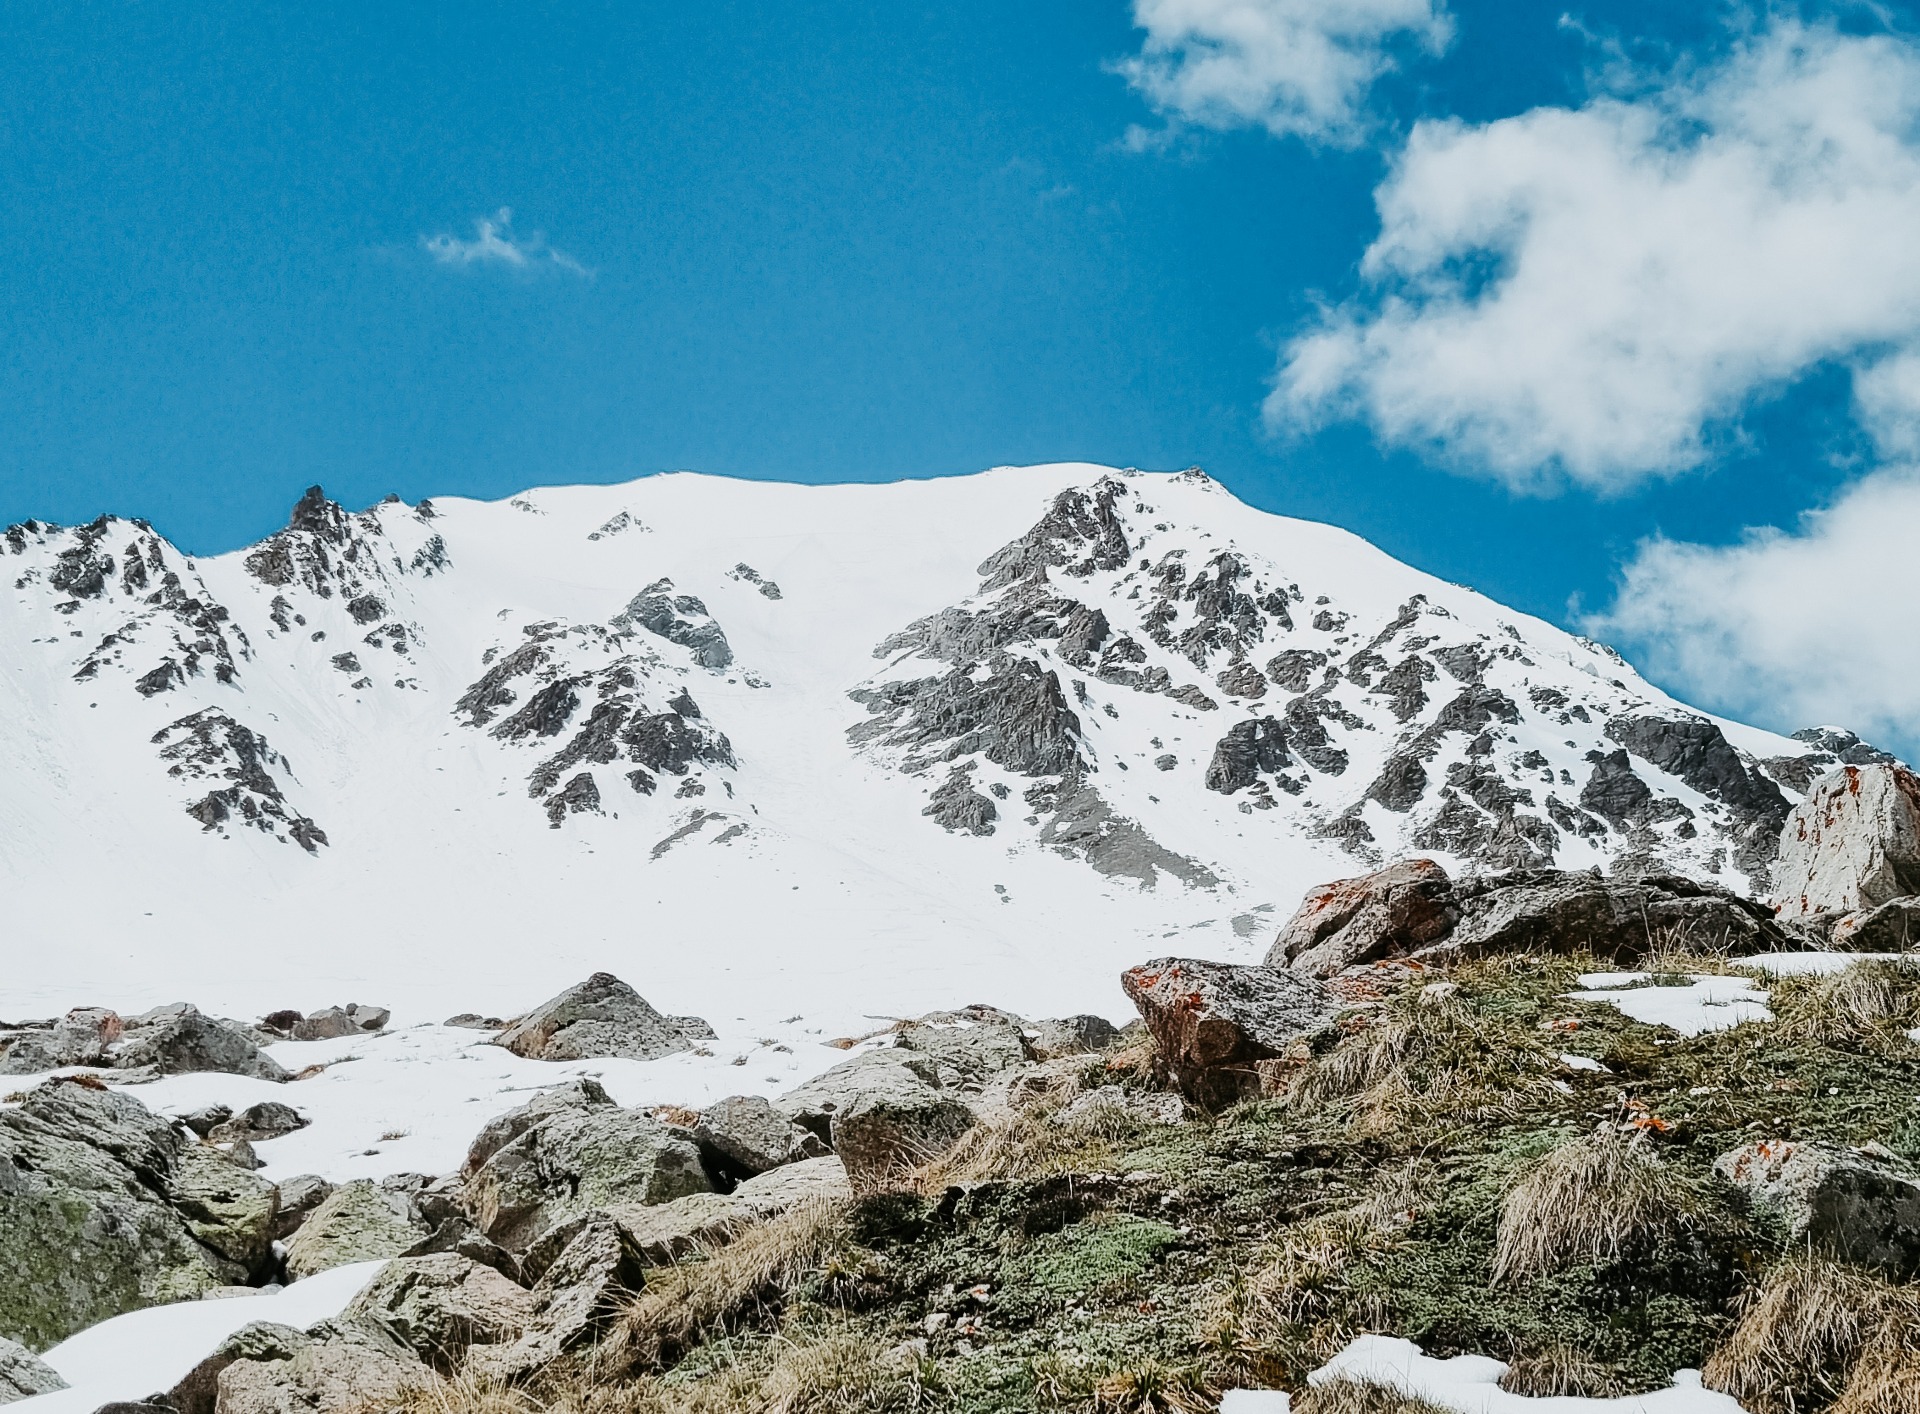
181 1041
90 1228
23 1374
967 1047
227 1207
578 1294
81 1037
342 1368
814 1104
602 1016
440 1306
745 1135
1084 1034
357 1222
568 1153
1214 1022
1852 1205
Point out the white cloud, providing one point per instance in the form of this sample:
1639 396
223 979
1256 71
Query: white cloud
1595 293
494 243
1801 629
1295 67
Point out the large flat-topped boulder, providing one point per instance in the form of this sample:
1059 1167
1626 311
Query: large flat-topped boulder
602 1016
1392 911
1853 844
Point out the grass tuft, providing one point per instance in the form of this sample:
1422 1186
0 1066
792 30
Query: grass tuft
1870 1004
1557 1370
1593 1201
1352 1397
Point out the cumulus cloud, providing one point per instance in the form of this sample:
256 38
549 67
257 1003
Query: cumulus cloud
1792 629
1295 67
495 244
1595 294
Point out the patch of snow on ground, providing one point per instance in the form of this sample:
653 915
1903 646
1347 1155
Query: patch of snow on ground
148 1352
1471 1385
1811 964
411 1101
1707 1003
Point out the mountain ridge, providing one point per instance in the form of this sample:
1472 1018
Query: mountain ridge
589 724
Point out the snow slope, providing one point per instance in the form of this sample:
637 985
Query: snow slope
689 730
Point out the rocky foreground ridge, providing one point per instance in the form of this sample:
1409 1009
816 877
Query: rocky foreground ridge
1437 1111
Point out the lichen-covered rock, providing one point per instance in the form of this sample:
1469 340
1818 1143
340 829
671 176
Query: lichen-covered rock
23 1374
577 1295
1853 844
969 1046
574 1158
322 1377
1892 927
1078 1035
746 1134
1114 1105
1847 1204
602 1016
298 1197
1214 1022
357 1222
888 1128
87 1230
198 1391
81 1037
814 1104
185 1043
1388 913
439 1306
269 1119
227 1207
330 1023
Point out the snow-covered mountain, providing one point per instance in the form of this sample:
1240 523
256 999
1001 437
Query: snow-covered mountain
765 748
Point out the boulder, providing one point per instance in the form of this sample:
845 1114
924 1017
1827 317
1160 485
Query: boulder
198 1390
332 1022
1849 1204
501 1130
814 1104
669 1232
207 1118
774 1192
267 1120
578 1294
89 1228
357 1222
342 1368
568 1158
23 1374
1214 1022
1853 844
745 1135
299 1196
967 1047
227 1207
180 1041
602 1016
81 1037
1113 1104
438 1306
1892 927
1389 913
1072 1036
885 1130
1621 918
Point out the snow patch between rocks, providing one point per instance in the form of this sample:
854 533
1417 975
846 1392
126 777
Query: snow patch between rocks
1708 1002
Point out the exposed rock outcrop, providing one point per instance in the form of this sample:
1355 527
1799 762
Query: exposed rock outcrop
1391 912
1854 843
601 1016
23 1374
1214 1022
1847 1204
357 1222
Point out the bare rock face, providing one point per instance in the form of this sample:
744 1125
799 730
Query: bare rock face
181 1041
1215 1022
439 1306
1852 1205
1854 843
881 1111
602 1016
1560 911
357 1222
23 1375
1388 913
749 1136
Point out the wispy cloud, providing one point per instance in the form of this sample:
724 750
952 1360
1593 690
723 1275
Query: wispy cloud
1594 294
1300 68
494 244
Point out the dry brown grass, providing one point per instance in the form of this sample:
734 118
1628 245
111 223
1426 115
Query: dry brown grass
686 1303
1351 1397
1556 1370
1592 1202
1817 1331
1429 1059
1869 1003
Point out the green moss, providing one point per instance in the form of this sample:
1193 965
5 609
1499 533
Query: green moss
1092 1257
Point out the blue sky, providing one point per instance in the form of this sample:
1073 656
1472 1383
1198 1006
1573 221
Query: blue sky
857 241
